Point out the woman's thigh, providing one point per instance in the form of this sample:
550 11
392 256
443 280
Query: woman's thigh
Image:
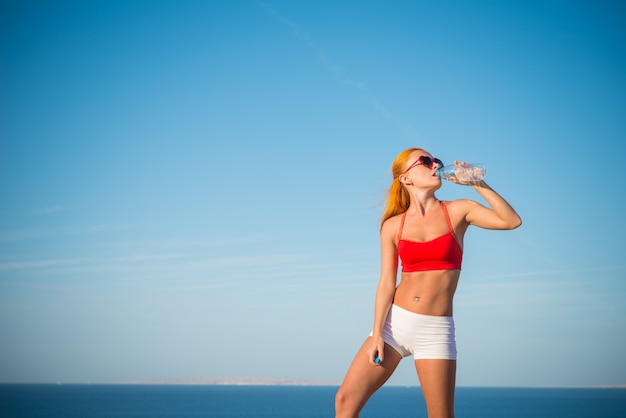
437 380
363 378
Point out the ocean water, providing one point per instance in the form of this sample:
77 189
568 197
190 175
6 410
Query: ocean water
86 401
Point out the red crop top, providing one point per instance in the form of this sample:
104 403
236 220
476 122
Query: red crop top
442 253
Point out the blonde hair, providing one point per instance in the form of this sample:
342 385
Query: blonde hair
398 199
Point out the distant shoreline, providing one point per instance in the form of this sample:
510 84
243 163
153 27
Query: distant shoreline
233 381
253 381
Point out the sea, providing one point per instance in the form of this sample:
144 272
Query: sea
220 401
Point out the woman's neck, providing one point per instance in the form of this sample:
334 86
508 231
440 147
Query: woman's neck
422 202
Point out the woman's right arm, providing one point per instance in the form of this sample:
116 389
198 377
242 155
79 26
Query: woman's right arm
385 290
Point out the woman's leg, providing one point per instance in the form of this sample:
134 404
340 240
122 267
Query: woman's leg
438 380
362 380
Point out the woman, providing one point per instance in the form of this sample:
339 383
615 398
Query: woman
416 317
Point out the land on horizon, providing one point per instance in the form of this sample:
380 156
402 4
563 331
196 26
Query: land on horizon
257 381
239 381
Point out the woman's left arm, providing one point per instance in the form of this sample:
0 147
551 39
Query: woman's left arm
500 215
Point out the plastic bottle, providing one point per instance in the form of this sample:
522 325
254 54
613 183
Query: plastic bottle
465 174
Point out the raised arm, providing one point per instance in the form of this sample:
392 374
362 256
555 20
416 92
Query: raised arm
499 214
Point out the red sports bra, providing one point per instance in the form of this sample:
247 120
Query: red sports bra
442 253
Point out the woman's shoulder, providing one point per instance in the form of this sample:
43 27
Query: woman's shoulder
392 224
459 208
458 204
395 219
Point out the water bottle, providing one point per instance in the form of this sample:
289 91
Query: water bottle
469 173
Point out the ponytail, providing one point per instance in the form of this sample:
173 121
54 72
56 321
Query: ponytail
398 199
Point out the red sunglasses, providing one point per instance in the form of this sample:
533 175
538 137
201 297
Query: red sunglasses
426 162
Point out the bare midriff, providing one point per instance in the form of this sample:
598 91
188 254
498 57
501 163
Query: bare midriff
427 292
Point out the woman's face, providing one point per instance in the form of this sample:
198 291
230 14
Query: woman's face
422 168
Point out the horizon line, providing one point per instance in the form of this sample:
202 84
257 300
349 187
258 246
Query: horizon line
255 381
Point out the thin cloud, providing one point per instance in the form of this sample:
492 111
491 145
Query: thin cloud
554 272
26 234
176 264
39 264
337 69
48 210
151 257
99 228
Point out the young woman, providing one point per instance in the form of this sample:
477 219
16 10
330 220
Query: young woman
416 317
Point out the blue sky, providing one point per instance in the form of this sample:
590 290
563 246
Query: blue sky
193 188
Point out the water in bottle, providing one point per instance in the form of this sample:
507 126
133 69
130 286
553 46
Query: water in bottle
468 173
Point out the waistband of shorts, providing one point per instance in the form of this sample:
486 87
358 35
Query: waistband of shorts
401 312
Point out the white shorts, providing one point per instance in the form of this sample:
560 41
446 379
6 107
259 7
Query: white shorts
424 336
